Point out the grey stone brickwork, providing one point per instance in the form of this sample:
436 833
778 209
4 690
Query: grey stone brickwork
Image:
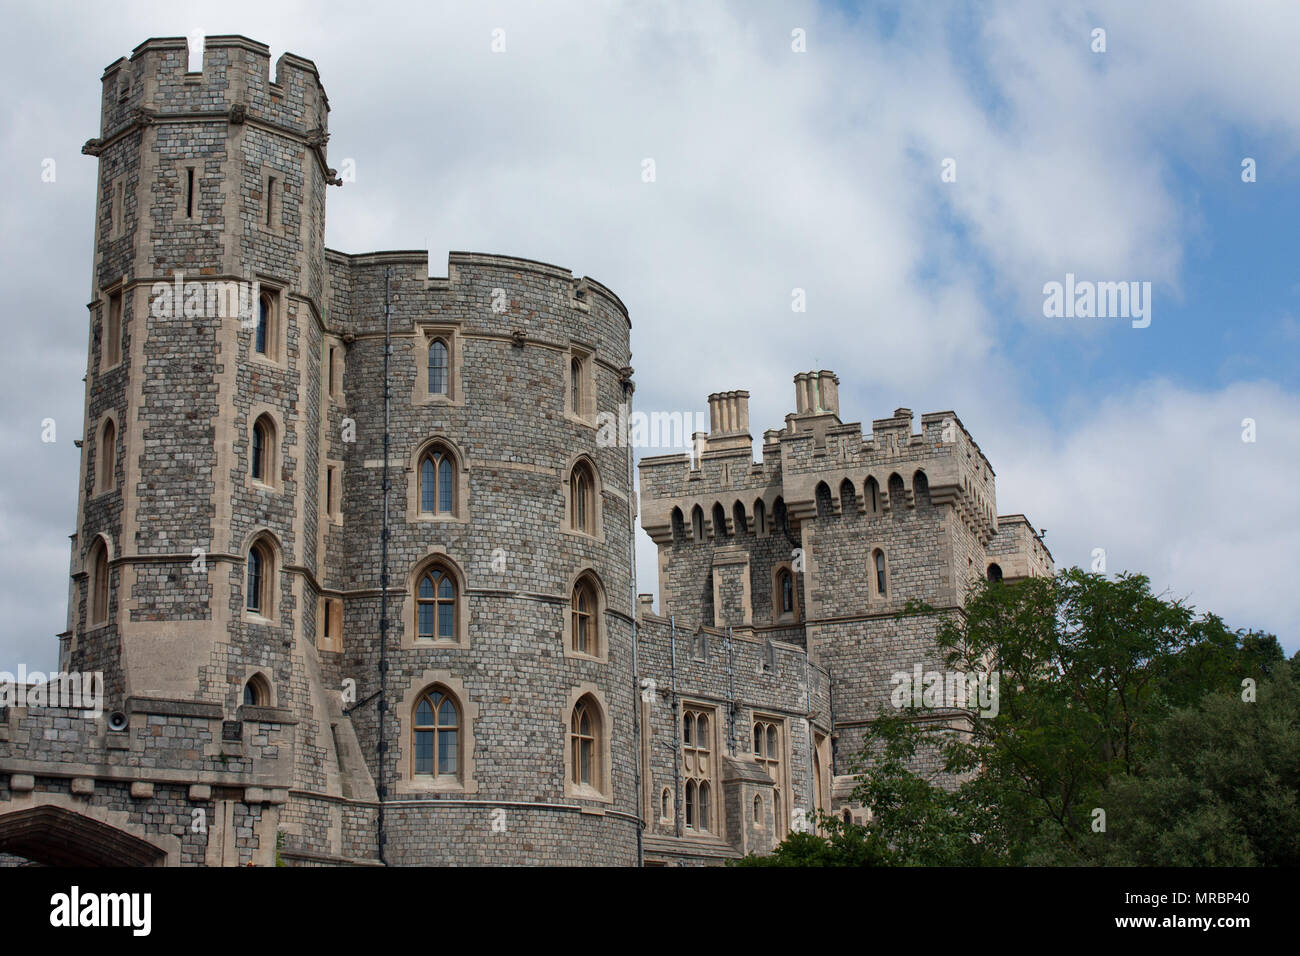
221 176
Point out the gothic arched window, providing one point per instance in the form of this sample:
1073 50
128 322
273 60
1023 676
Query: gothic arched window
438 380
436 605
436 731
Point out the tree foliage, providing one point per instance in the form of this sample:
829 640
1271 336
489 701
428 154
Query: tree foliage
1124 735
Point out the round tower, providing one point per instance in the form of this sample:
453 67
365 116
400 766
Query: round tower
509 664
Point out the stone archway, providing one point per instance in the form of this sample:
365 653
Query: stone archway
57 837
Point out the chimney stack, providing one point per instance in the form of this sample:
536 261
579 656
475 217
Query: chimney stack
817 393
729 413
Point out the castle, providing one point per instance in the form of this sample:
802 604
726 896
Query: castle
358 570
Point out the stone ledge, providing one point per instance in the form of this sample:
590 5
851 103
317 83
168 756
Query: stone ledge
173 708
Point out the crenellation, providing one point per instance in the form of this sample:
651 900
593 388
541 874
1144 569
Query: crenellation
501 694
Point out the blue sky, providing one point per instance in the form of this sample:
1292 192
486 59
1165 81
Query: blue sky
778 170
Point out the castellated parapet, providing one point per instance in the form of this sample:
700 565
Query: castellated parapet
521 705
821 544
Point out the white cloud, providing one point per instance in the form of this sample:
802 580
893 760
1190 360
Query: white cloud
775 170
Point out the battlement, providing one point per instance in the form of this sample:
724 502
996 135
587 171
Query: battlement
942 463
236 84
411 277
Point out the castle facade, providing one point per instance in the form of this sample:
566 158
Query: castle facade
357 567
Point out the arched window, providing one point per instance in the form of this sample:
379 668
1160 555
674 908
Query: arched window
760 517
697 523
665 804
824 504
575 386
585 745
995 573
435 605
897 494
873 496
436 730
437 482
767 754
878 559
582 498
584 606
785 590
719 521
262 456
848 816
265 314
780 516
438 380
256 692
257 592
848 497
758 810
679 526
738 516
97 609
697 755
107 456
920 488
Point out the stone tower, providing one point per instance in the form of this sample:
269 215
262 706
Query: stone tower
227 561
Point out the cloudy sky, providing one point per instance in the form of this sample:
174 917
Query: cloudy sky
774 170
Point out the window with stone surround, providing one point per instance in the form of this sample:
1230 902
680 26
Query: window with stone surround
330 625
107 457
438 355
785 595
582 498
584 624
262 449
580 392
437 606
438 480
262 334
587 746
260 579
436 736
257 693
698 768
769 753
697 523
113 331
437 352
97 588
881 573
760 518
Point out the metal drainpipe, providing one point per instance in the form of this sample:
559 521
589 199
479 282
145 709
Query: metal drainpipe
636 673
383 573
731 695
677 743
812 737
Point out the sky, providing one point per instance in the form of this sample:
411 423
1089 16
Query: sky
920 171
